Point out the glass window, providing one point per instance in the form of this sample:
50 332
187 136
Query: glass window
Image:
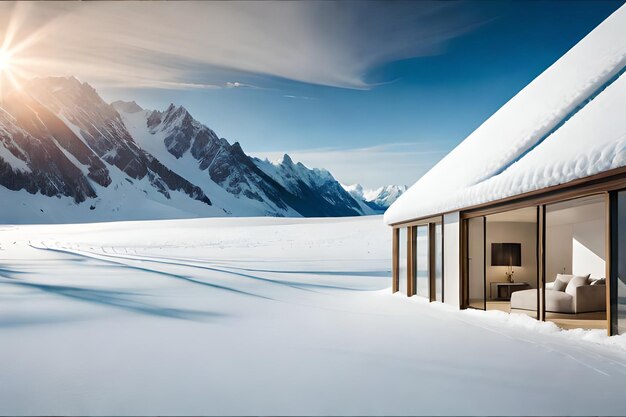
511 279
402 261
422 258
438 262
575 250
619 251
476 262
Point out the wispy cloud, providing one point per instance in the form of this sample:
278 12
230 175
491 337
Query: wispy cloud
176 44
375 166
298 97
237 84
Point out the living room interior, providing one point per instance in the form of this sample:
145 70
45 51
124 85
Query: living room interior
575 249
503 269
511 257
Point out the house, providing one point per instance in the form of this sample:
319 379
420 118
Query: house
528 213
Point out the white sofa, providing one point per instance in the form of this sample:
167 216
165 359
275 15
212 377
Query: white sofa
584 295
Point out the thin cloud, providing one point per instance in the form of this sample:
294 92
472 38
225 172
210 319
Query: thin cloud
237 84
298 97
179 44
173 85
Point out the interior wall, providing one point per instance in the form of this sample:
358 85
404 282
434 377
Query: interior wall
558 250
451 257
589 249
577 249
513 232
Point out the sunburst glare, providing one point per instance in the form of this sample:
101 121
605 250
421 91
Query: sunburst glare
18 56
5 60
8 72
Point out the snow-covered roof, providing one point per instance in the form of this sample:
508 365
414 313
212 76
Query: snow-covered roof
568 123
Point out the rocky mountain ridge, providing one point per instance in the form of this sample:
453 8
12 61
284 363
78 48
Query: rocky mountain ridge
60 140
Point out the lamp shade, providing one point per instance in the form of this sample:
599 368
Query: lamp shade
506 254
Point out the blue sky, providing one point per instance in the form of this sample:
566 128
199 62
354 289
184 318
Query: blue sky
375 92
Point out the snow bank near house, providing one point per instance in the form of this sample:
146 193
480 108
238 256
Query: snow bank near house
566 124
530 324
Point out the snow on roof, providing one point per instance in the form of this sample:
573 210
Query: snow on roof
568 123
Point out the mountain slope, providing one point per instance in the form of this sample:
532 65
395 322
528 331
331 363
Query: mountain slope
100 127
43 155
314 188
197 153
58 138
33 156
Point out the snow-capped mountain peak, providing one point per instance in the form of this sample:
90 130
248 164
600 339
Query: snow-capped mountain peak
126 106
121 161
74 145
385 196
284 188
306 183
380 198
356 190
287 161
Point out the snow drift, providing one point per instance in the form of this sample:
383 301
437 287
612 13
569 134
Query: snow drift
267 316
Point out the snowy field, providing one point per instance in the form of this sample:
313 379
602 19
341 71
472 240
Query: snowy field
266 316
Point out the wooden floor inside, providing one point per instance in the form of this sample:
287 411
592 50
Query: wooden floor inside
595 320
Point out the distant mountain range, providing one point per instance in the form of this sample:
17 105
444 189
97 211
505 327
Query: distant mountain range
67 155
379 199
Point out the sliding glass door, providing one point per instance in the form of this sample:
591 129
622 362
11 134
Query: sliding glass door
438 261
618 262
422 260
575 263
476 228
550 261
402 260
418 260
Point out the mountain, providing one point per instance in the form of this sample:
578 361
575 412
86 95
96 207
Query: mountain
379 199
198 154
67 155
75 146
384 196
315 188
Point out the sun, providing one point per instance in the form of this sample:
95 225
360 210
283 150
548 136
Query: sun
5 60
9 70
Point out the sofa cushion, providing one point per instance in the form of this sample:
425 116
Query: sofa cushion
558 285
565 277
556 301
559 302
575 282
524 300
590 298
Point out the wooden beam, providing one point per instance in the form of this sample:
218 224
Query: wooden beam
443 263
410 260
610 237
395 282
485 263
541 263
421 222
463 264
432 260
